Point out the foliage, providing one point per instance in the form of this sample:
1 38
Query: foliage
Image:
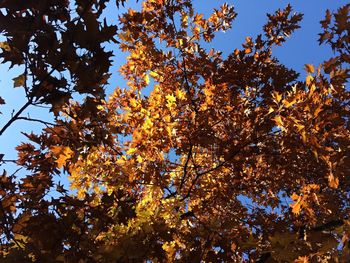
224 160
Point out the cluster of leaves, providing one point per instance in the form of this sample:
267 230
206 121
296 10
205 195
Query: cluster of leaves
224 160
59 45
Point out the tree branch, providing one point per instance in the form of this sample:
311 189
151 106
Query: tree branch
15 117
37 120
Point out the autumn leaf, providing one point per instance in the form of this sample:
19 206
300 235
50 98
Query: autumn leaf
180 94
62 153
19 81
248 51
302 259
139 159
147 124
288 104
171 99
296 207
309 80
131 151
5 46
309 68
146 79
279 122
100 107
277 96
153 74
333 181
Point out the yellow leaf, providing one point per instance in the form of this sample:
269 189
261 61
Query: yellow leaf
146 79
81 194
309 80
153 74
171 99
300 126
209 91
180 94
196 30
167 118
279 122
139 159
277 97
147 124
121 160
133 103
287 104
131 151
100 107
203 107
169 130
169 248
184 19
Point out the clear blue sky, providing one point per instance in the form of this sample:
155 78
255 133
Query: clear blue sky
300 49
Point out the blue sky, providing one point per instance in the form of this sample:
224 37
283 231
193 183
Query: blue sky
300 49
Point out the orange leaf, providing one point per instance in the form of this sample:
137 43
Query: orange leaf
333 182
62 153
296 207
248 50
309 68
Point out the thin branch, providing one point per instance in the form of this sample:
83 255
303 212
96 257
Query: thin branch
7 161
233 154
37 120
184 69
199 175
30 101
183 179
15 117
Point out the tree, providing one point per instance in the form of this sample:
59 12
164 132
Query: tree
226 159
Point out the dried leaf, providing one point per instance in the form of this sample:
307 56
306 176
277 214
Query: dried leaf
19 81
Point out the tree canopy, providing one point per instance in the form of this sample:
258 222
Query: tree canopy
201 158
